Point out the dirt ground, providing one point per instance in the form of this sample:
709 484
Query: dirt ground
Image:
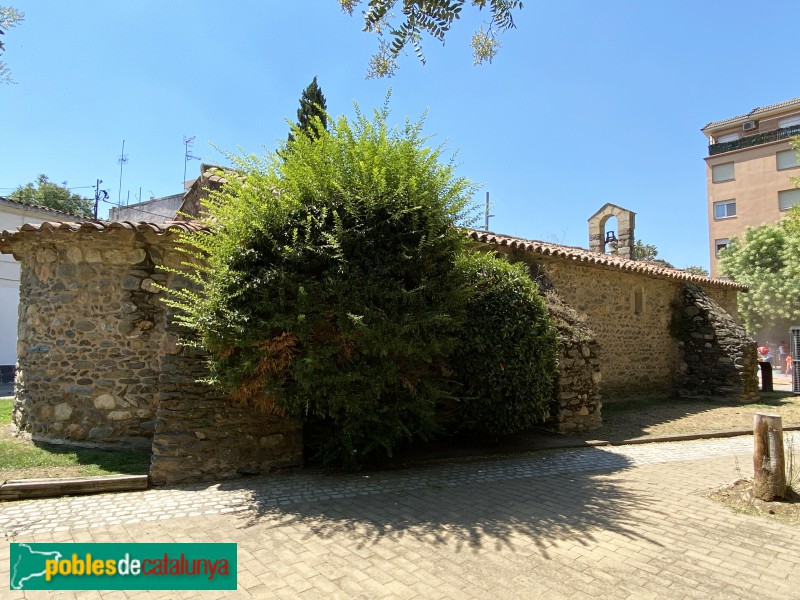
739 497
659 416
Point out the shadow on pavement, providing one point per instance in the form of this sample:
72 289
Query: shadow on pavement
522 504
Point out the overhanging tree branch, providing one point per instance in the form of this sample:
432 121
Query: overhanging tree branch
9 17
431 17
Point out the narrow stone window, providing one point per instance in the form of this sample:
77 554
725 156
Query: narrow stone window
638 301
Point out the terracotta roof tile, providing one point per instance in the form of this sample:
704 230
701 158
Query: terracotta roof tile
571 253
167 228
758 110
581 255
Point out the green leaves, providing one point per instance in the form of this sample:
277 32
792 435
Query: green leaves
331 288
766 260
336 286
50 195
506 360
431 17
642 251
312 115
9 17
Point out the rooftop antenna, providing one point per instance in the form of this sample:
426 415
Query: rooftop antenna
123 158
486 226
188 142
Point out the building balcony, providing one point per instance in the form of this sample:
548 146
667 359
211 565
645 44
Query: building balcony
754 140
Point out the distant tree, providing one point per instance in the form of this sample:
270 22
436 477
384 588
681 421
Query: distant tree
697 270
9 17
765 260
50 195
642 251
312 107
795 142
433 17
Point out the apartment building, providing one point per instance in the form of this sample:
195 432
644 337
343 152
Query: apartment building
749 168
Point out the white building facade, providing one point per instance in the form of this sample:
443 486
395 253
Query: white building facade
12 215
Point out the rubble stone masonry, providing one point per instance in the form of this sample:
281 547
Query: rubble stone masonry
630 316
99 363
89 327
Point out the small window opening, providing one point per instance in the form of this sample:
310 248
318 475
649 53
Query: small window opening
638 301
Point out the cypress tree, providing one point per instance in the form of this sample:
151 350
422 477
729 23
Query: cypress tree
312 104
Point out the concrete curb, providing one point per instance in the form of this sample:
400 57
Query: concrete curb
673 438
553 444
26 489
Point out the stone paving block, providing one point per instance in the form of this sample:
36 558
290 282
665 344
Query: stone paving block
510 528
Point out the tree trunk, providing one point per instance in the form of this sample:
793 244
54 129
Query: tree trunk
768 462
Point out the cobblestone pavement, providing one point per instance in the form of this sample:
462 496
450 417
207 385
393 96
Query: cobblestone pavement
607 522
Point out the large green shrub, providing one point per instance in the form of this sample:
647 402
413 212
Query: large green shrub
330 287
507 357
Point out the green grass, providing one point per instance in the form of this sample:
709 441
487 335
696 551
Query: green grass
6 405
22 459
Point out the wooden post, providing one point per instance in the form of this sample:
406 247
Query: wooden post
769 481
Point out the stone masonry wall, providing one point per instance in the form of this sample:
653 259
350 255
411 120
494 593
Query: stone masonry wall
89 329
577 402
629 314
719 358
100 363
201 435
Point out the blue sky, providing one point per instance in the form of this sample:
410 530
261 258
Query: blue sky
587 102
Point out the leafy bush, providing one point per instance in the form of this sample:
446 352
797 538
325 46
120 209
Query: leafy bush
764 258
507 356
330 288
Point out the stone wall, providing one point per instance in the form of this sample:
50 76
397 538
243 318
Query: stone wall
577 402
99 363
89 329
629 314
201 435
718 357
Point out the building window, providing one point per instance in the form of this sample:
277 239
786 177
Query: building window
725 209
788 198
789 122
720 245
728 137
723 172
786 159
638 301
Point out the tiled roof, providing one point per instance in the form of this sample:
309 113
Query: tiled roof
759 110
31 229
570 253
46 209
581 255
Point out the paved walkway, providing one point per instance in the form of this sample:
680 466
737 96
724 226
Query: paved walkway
609 522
